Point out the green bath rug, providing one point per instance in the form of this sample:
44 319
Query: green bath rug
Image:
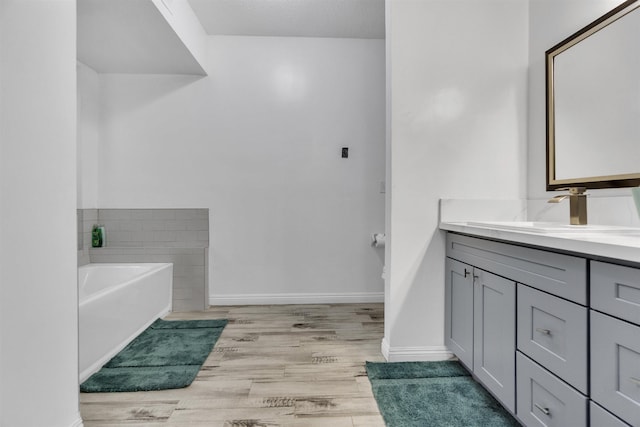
407 370
433 394
166 355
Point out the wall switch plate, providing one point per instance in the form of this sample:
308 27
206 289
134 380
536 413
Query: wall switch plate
345 152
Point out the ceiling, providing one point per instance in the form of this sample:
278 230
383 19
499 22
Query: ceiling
292 18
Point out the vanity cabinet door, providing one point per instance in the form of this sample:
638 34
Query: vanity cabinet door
459 310
615 366
495 335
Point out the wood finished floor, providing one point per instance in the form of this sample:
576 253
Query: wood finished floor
282 365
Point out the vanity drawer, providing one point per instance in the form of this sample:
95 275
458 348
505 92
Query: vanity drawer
546 401
615 290
558 274
553 332
601 418
615 366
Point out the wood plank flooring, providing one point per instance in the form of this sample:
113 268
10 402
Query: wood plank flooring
281 365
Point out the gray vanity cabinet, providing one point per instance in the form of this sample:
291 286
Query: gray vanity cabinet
576 320
540 294
553 332
615 341
615 369
546 401
459 318
600 417
494 335
480 326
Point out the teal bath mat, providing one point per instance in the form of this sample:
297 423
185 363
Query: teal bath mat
433 394
168 354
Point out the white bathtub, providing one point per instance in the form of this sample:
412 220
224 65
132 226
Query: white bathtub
116 303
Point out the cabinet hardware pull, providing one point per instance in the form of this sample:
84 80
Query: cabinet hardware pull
545 411
543 331
466 273
636 381
476 277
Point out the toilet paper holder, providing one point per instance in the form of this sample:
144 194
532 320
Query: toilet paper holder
378 240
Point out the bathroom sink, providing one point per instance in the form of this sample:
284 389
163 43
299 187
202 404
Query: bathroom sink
553 227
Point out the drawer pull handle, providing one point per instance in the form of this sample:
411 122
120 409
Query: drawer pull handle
466 273
543 331
545 411
636 381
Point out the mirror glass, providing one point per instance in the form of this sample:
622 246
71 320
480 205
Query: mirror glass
593 104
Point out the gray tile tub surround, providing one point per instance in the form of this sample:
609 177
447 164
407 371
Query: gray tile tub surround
179 236
152 228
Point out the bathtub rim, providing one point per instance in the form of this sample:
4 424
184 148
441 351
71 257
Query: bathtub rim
155 267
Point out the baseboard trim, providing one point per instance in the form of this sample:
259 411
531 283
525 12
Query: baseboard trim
415 354
298 298
384 348
78 422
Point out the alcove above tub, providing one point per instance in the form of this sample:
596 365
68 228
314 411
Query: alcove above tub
140 37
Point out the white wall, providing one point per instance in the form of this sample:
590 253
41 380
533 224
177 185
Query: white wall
457 105
88 136
550 22
38 277
258 142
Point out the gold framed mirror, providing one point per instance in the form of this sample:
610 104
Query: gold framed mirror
593 104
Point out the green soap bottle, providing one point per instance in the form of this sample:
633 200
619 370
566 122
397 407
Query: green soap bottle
103 235
96 237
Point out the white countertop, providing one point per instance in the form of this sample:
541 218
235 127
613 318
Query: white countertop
622 243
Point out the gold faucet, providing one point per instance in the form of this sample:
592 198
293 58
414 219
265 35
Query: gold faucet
577 204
